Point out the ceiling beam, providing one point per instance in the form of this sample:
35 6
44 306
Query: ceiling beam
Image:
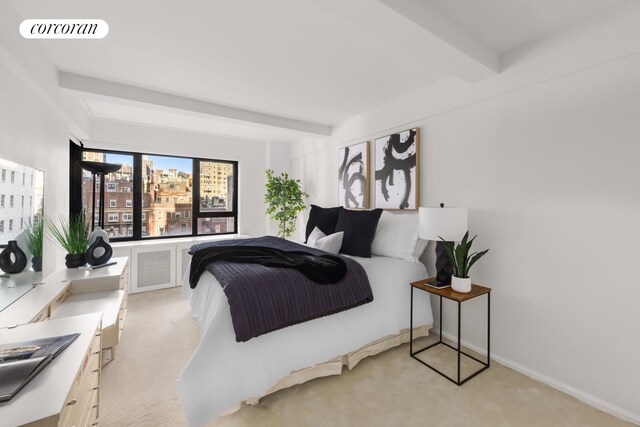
416 27
93 87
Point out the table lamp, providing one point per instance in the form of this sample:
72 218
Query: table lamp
448 223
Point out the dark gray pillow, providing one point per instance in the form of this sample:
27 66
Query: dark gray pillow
323 218
359 230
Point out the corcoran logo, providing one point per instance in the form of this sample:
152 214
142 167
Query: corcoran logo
64 29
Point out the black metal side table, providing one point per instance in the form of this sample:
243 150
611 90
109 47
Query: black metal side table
450 294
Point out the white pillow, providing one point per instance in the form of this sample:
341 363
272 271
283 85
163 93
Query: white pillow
396 236
331 243
314 236
421 245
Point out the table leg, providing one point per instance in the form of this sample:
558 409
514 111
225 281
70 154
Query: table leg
459 337
489 329
411 325
440 319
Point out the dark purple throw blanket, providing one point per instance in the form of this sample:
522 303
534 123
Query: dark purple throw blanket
263 299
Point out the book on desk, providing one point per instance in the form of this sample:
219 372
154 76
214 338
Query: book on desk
20 362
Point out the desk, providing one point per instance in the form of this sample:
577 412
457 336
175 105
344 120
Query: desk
73 291
66 392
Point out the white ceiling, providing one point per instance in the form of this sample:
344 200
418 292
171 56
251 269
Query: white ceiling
306 60
507 24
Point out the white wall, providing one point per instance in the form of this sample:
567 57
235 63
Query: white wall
280 161
32 134
547 163
253 157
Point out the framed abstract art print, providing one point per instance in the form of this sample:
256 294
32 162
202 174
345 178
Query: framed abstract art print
397 175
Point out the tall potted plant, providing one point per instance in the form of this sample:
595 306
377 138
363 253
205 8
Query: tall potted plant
462 262
34 234
73 236
284 199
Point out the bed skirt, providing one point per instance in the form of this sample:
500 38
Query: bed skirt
335 365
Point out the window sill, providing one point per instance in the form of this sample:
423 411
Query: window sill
173 240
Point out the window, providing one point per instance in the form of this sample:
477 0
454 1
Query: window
10 225
4 175
2 226
22 202
13 177
170 196
10 201
114 181
2 201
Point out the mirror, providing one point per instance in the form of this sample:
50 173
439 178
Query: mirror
21 208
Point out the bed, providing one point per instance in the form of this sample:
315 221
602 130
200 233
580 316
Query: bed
223 373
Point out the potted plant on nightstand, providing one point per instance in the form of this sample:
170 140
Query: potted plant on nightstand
462 262
284 199
73 236
34 234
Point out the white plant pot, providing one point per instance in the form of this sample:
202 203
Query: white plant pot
461 285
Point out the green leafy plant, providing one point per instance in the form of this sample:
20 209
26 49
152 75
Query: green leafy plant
284 199
73 234
459 255
34 235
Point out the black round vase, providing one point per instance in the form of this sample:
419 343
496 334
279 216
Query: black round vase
36 263
99 247
74 260
19 261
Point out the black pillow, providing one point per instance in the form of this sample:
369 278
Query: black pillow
323 218
359 230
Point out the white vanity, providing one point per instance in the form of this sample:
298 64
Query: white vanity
90 301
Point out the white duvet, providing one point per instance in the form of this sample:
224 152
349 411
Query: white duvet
223 372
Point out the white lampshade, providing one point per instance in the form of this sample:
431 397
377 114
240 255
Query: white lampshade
448 223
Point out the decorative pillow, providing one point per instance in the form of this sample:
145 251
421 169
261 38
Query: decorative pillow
323 218
359 230
396 236
421 245
315 235
330 243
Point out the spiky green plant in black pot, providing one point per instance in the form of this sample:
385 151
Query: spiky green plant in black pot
34 235
73 236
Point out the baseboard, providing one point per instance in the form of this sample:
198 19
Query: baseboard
587 398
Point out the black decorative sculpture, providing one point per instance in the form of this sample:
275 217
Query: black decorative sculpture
19 261
96 248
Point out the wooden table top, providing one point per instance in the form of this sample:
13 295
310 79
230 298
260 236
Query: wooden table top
476 290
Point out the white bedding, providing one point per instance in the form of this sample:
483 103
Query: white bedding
223 372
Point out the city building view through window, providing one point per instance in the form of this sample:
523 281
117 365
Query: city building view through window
167 195
118 193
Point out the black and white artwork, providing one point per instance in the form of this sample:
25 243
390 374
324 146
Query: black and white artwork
397 170
353 176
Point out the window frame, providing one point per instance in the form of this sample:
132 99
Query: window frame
75 189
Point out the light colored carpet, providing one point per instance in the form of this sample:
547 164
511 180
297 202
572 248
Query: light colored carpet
391 389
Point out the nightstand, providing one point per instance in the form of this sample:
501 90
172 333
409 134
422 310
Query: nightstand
450 294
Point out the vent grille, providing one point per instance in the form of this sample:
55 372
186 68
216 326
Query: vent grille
154 268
